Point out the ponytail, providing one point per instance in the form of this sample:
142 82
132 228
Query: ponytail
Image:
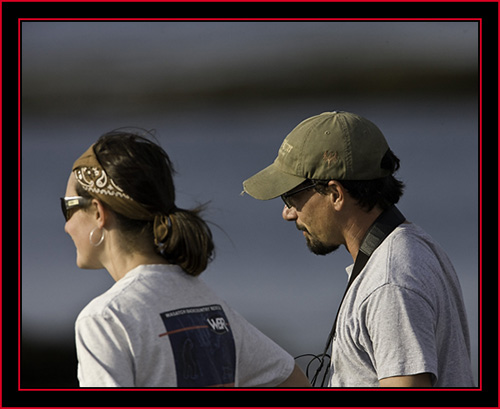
188 242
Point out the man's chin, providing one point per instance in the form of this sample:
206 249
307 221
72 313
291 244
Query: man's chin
319 248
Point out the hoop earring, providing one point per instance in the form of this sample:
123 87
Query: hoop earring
91 235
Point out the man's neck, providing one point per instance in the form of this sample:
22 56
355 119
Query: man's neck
357 227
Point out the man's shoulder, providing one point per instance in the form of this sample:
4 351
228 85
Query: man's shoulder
409 243
408 258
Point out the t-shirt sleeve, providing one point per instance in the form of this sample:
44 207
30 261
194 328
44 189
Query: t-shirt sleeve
398 332
261 362
104 358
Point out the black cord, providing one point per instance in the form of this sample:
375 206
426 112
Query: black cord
321 360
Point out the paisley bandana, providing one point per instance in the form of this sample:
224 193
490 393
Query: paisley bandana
91 175
96 180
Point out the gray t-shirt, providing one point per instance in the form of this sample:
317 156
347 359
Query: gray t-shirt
160 327
403 315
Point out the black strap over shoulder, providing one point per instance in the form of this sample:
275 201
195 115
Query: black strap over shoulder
379 230
376 234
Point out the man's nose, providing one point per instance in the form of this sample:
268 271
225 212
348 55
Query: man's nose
289 213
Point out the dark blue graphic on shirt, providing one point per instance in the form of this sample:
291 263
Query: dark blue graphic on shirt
203 346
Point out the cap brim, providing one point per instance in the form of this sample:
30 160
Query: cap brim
270 183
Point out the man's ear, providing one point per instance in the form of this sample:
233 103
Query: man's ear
338 193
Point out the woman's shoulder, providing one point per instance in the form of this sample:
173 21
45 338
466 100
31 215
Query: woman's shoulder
144 287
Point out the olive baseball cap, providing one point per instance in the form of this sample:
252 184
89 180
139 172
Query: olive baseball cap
330 146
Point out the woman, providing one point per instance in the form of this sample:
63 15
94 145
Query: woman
159 325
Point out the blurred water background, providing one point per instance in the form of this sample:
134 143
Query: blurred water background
222 96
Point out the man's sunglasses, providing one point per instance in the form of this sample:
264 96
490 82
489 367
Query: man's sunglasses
70 204
286 196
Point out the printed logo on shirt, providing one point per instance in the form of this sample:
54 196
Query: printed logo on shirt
218 324
203 346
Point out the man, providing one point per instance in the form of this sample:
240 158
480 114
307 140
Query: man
402 322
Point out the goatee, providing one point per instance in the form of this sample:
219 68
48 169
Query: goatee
316 246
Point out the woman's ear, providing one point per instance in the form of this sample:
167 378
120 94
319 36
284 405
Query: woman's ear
101 213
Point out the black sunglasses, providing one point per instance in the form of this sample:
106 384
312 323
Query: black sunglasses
69 204
286 196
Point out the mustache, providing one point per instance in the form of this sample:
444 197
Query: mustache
301 228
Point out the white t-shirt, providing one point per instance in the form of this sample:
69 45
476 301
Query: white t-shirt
160 327
403 315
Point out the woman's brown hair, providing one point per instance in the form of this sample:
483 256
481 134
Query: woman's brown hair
144 171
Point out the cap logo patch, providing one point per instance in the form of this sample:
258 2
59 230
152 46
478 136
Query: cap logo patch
330 157
286 148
